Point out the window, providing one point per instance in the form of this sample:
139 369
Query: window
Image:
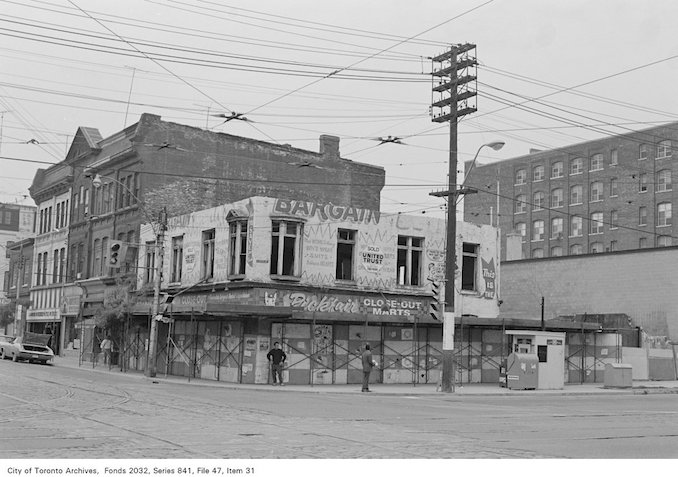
410 250
538 253
642 215
132 250
469 266
576 249
614 157
642 182
521 177
237 231
521 228
613 246
538 173
556 251
80 261
285 256
177 260
642 242
207 267
538 200
345 251
664 241
614 187
596 247
576 226
96 263
643 151
614 218
596 162
596 223
557 228
38 276
537 230
576 166
62 264
520 204
557 198
596 191
576 194
664 180
104 256
557 170
664 149
149 269
664 214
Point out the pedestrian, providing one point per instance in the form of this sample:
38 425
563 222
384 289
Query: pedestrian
106 347
276 357
368 364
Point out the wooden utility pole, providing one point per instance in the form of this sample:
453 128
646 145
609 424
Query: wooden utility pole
453 65
151 366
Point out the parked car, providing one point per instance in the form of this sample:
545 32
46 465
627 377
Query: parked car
31 347
4 342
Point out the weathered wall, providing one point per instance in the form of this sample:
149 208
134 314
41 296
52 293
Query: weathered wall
640 283
377 236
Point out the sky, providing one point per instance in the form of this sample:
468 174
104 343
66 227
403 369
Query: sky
550 74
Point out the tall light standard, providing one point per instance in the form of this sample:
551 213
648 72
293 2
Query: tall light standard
449 365
159 230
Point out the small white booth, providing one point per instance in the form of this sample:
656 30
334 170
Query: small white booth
549 349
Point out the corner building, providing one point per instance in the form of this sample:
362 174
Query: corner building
607 195
320 278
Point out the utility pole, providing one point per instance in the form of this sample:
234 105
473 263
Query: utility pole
18 319
453 66
151 366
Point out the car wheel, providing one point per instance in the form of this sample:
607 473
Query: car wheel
2 354
15 358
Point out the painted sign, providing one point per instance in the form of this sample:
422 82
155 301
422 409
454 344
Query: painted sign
326 212
190 259
345 304
489 275
372 258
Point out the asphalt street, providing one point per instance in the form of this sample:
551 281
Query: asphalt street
57 412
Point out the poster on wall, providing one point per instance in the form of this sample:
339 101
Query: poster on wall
489 276
372 258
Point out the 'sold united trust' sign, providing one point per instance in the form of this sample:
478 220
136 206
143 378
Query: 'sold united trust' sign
325 212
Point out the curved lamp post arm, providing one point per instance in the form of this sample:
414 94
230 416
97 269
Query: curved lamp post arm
496 145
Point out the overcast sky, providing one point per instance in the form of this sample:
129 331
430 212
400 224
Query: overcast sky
597 67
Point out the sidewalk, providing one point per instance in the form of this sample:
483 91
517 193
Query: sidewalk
639 387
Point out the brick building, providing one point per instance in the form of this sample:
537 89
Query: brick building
113 184
605 195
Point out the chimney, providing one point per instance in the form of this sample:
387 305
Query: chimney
329 146
534 150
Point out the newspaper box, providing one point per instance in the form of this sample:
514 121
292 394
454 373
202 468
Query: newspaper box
522 371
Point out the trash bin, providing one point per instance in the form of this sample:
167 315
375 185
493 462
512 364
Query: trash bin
618 375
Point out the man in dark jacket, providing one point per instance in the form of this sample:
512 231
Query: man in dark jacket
276 357
368 364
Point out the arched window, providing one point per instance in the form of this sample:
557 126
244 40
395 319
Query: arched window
538 173
576 249
596 247
577 166
596 223
521 176
520 204
557 170
576 229
538 200
537 230
596 191
664 180
576 194
557 198
664 149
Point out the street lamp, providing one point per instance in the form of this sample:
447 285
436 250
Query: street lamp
159 231
496 145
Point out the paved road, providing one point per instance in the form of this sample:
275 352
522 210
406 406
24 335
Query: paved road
54 412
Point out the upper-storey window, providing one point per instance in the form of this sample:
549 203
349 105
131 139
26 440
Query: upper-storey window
664 149
177 260
345 253
557 170
596 191
520 204
208 249
614 157
538 200
664 180
410 250
643 152
521 176
596 162
538 173
238 247
577 166
557 197
285 248
469 266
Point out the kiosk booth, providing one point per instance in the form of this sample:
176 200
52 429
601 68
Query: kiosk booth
536 360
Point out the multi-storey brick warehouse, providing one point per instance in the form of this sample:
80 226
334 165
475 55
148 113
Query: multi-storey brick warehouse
598 196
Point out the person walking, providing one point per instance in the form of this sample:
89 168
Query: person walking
368 364
107 347
276 357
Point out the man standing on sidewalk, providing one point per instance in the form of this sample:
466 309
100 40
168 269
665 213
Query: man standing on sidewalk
106 347
276 357
368 364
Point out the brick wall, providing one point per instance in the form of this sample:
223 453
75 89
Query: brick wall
642 284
